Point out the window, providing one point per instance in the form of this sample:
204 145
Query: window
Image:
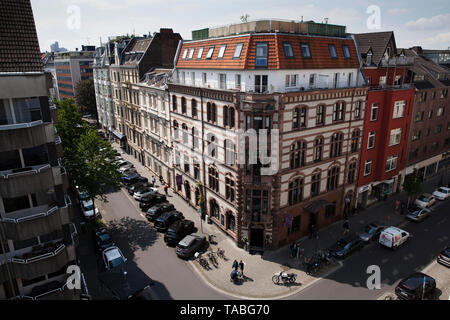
185 53
185 133
434 146
333 178
338 111
367 167
440 112
200 53
346 52
312 79
438 129
194 108
419 116
212 146
238 81
288 53
27 109
210 52
299 118
298 154
357 109
225 116
333 52
204 77
213 179
195 138
369 59
430 114
336 144
355 141
229 152
211 111
186 164
183 105
318 149
214 208
399 109
229 189
305 50
238 50
191 53
196 170
232 119
175 130
413 154
260 83
396 135
295 191
351 173
391 163
320 115
291 80
416 135
193 78
221 51
315 184
336 80
183 77
350 79
174 103
222 81
261 55
371 140
428 132
374 112
295 227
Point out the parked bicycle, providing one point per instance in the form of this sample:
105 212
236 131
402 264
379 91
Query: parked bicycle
202 261
221 253
212 258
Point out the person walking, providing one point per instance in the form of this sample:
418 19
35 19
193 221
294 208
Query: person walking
153 181
166 187
292 248
235 265
346 227
241 266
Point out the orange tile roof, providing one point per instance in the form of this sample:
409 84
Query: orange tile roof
320 55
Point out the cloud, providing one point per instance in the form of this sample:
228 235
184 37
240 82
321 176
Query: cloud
436 22
441 40
396 11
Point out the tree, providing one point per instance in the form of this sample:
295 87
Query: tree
412 184
85 96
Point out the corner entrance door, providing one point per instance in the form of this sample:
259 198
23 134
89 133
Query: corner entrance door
257 238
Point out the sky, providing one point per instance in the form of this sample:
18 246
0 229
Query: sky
76 22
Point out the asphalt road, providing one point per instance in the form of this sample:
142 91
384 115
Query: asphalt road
349 282
139 242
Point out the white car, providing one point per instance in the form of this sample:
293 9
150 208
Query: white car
425 200
127 171
393 237
113 257
442 193
123 163
125 168
87 207
140 193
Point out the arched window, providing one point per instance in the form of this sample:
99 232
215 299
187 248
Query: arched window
232 124
320 117
333 178
183 105
212 146
336 144
229 152
174 103
195 138
175 130
355 140
299 118
187 189
197 196
231 221
214 208
213 113
318 149
298 154
229 188
185 134
213 179
225 116
194 108
315 183
295 191
208 112
351 172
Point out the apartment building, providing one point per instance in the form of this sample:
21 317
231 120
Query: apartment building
71 67
48 61
140 56
37 239
387 120
296 86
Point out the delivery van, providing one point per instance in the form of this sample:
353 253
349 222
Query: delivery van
393 237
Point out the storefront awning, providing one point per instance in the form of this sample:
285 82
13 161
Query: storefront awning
118 135
316 205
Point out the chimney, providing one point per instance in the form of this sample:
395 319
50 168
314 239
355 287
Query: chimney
417 49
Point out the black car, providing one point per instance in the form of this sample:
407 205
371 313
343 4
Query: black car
346 246
444 257
411 288
372 231
133 178
149 201
165 220
154 212
103 239
178 230
191 244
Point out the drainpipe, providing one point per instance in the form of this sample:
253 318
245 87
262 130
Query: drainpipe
205 202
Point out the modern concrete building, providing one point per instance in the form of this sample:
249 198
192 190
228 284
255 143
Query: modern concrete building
37 239
71 67
299 81
48 61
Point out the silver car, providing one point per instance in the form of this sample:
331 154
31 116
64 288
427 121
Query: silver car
425 200
418 214
113 257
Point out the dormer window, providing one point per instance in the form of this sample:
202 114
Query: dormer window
221 51
200 53
185 53
346 52
238 50
261 55
369 58
191 53
333 52
288 53
306 53
210 52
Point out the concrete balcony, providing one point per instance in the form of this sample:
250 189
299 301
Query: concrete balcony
53 113
25 135
33 222
55 290
29 180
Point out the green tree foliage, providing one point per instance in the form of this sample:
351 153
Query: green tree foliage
85 96
413 184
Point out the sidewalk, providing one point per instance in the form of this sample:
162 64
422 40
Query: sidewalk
260 269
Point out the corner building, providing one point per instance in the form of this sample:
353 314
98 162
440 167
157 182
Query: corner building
301 80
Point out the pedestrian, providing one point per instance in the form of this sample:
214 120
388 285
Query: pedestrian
347 202
241 266
166 187
161 179
153 181
346 227
292 248
235 265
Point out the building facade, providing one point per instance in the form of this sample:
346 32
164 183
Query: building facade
302 94
37 239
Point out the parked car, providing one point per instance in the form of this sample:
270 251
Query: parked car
103 239
133 178
87 207
442 193
444 257
127 170
418 214
149 201
136 186
144 191
165 220
113 257
82 196
372 231
425 200
393 237
346 246
124 163
178 230
191 244
411 288
154 212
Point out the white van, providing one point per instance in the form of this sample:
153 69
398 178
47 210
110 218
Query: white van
393 237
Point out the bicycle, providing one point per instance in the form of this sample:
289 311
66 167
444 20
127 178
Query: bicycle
213 259
204 263
221 253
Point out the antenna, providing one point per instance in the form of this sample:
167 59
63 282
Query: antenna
326 20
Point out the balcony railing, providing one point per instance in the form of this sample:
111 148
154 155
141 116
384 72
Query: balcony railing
397 61
39 253
24 171
26 216
15 126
